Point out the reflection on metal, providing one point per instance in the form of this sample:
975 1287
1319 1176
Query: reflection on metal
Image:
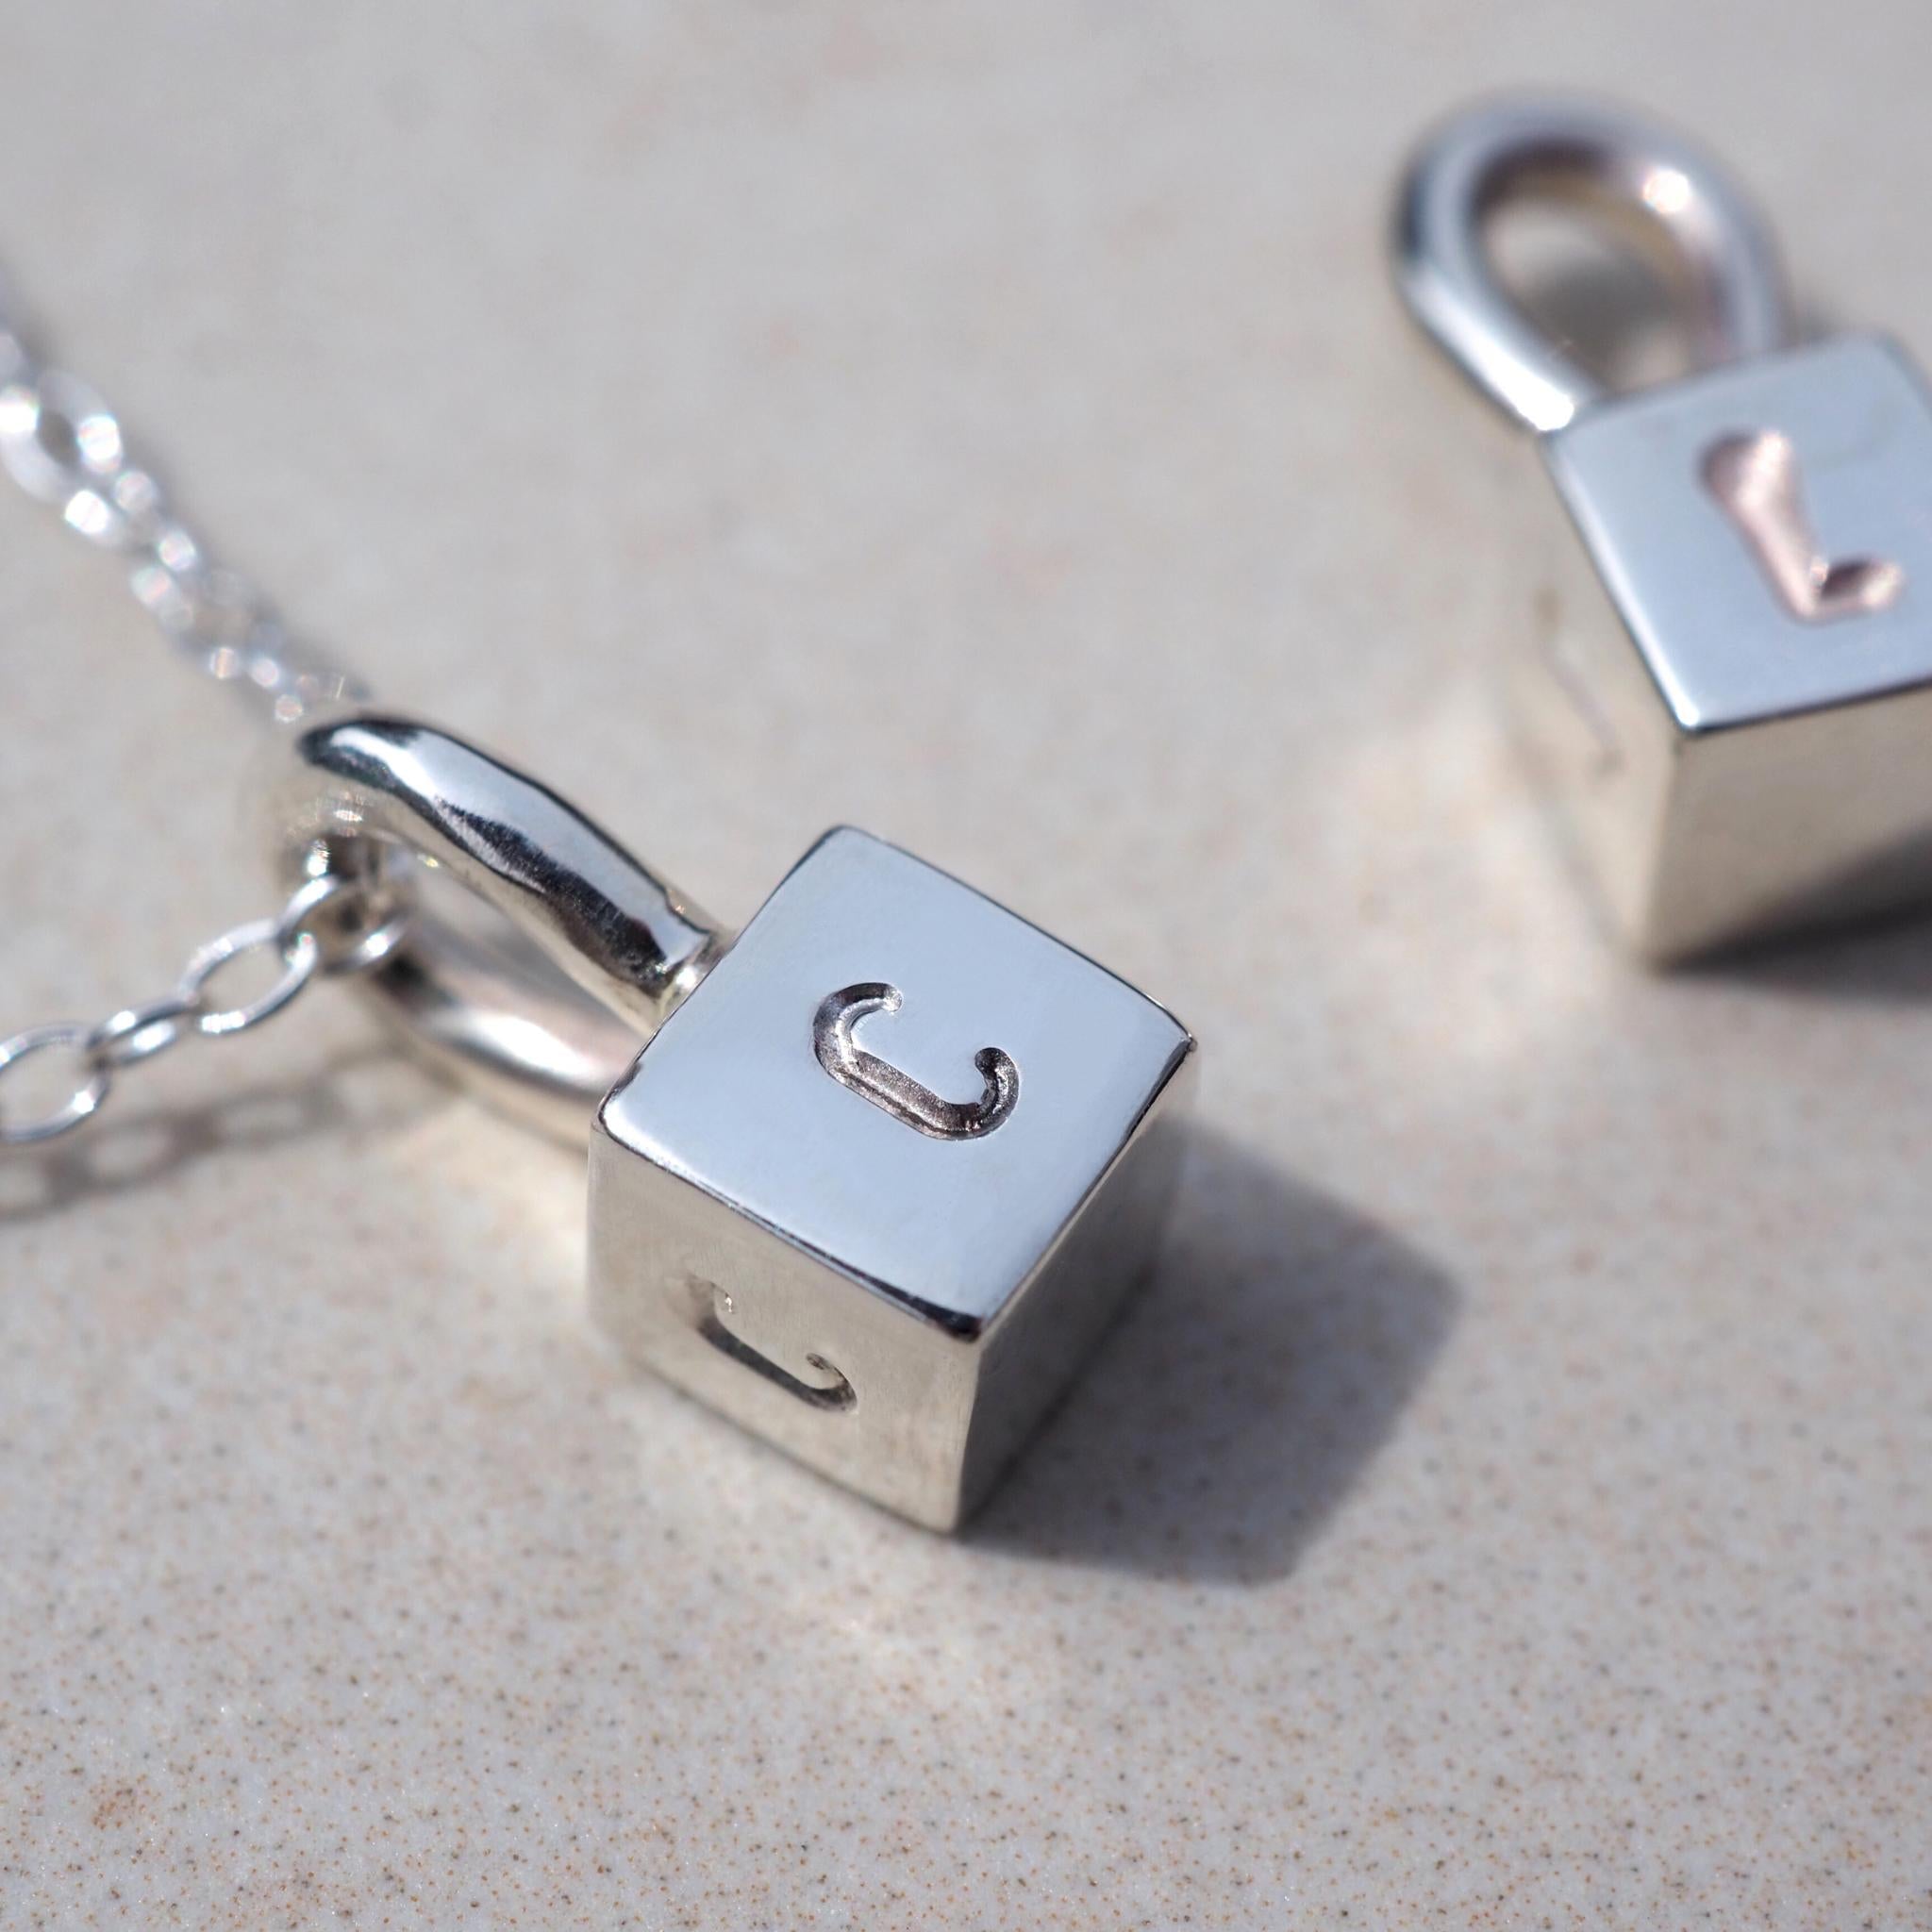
546 1006
1755 479
1665 193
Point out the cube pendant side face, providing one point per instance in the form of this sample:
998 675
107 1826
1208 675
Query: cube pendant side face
1733 653
752 1324
1038 1346
878 1183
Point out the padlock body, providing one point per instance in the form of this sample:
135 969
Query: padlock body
894 1304
1734 762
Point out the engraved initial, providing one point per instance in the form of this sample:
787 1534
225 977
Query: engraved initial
1755 479
713 1311
897 1093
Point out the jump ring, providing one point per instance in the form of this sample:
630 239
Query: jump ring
354 947
492 1004
300 957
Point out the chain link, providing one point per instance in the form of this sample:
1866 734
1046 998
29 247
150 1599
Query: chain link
63 445
330 924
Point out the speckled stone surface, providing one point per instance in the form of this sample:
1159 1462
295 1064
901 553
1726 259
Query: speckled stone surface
989 424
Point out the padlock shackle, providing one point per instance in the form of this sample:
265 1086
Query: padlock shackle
544 1008
1589 154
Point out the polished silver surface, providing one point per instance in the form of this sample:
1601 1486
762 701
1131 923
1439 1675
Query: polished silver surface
1670 195
796 1223
1720 634
1729 674
777 1241
547 1015
1769 770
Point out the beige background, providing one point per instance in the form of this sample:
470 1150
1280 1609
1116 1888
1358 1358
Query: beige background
989 424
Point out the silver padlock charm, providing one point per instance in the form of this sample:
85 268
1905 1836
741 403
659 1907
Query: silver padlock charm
873 1189
1729 674
886 1165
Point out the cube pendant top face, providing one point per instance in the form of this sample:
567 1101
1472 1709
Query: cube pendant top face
1742 644
875 1187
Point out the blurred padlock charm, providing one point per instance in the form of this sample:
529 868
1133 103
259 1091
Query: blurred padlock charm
1728 678
886 1165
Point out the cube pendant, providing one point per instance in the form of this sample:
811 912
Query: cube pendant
1730 683
876 1186
1734 680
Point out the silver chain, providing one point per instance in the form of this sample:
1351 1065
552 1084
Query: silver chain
324 930
63 445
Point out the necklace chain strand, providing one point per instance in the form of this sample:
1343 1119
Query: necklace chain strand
64 447
324 930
